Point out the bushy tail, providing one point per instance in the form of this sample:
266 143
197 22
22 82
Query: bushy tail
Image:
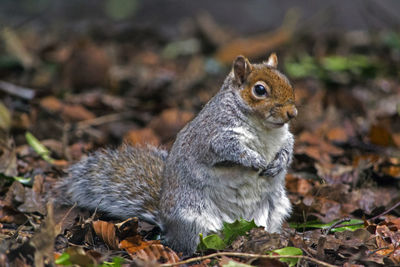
123 183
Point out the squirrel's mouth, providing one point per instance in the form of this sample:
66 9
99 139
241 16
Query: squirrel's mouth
276 124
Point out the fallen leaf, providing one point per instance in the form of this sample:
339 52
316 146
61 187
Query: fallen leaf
380 135
142 137
51 104
169 122
8 157
337 135
106 231
156 252
76 113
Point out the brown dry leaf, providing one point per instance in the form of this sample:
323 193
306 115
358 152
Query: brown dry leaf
298 185
393 171
156 252
169 122
51 104
335 173
8 157
76 113
257 45
127 228
142 137
34 201
87 66
337 135
380 135
43 240
10 215
106 231
15 192
135 243
396 139
79 257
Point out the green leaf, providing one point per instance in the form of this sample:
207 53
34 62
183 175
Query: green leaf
121 9
239 227
230 232
319 225
211 242
38 147
63 259
236 264
288 251
117 262
22 180
304 67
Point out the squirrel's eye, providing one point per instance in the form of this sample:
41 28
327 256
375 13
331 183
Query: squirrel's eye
260 91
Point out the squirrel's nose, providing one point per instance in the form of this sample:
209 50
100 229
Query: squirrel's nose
291 113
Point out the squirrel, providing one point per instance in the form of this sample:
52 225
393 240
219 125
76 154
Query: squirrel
229 162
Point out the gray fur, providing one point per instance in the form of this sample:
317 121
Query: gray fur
224 165
113 182
199 193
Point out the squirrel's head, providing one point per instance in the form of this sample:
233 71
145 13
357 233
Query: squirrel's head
265 90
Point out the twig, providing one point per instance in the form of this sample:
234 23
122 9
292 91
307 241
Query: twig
335 225
12 89
338 224
101 120
385 212
247 255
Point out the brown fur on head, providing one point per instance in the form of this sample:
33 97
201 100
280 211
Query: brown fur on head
265 90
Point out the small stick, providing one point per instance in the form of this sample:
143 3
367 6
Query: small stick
101 120
385 212
247 255
335 225
12 89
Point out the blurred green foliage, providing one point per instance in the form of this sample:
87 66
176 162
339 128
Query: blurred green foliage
121 9
336 69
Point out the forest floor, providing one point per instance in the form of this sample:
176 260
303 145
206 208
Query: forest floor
61 98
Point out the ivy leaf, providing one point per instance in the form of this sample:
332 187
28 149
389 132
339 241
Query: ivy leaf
239 227
63 259
230 232
211 242
288 251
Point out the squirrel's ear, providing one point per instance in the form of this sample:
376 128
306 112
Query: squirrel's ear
273 60
241 68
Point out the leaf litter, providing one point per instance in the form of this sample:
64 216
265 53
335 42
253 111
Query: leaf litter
344 182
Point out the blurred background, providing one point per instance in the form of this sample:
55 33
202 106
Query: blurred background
138 58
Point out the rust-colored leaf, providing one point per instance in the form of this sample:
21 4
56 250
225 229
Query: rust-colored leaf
380 135
51 104
142 137
169 122
157 252
337 135
76 113
106 231
135 243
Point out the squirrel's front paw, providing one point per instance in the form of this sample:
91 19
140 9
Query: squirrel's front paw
271 171
276 166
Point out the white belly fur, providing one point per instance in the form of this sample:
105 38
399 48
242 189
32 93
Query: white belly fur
242 193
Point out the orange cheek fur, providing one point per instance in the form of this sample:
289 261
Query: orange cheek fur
282 93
